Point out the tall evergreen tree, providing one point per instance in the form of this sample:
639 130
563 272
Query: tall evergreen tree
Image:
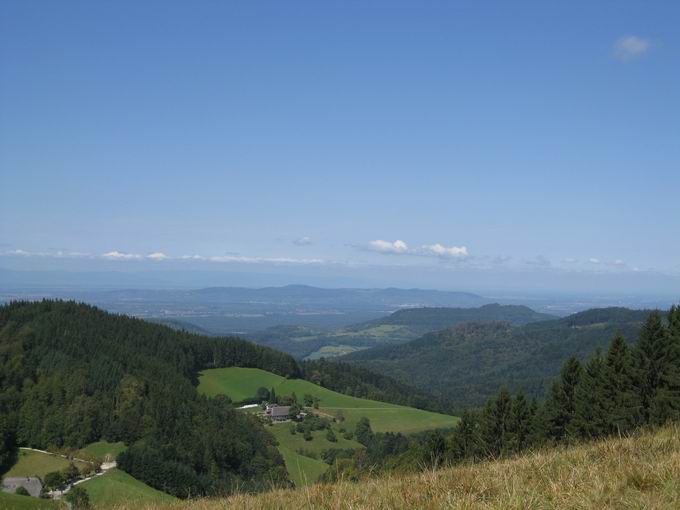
521 422
465 442
620 394
650 360
591 407
496 425
666 403
560 406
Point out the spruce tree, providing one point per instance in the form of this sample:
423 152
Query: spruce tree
465 443
666 402
623 400
496 425
559 408
591 407
521 423
649 366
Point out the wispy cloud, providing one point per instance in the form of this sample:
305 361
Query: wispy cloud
400 247
157 256
252 260
302 241
119 255
381 246
631 47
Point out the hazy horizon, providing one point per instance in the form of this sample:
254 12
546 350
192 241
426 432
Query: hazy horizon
517 147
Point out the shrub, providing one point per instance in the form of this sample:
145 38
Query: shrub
21 491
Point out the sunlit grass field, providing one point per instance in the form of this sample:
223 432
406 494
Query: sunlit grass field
30 463
14 502
242 383
102 450
115 487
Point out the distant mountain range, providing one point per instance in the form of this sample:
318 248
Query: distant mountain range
396 328
470 362
229 310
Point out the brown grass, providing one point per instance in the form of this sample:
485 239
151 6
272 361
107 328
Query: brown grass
639 472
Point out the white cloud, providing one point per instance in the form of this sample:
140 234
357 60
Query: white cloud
443 251
594 260
381 246
118 255
399 247
630 47
157 255
302 241
257 260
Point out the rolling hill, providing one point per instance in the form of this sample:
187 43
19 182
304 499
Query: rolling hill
468 363
397 328
71 375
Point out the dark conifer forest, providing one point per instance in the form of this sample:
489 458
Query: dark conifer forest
71 374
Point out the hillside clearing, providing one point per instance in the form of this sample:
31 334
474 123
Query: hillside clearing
103 450
637 472
32 463
242 383
117 487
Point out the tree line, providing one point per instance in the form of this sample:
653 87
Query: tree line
614 392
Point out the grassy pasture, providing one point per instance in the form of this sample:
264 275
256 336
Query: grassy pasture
237 383
102 450
242 383
32 463
116 487
14 502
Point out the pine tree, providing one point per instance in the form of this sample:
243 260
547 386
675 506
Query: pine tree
496 424
666 402
624 404
521 423
591 407
465 443
559 408
649 356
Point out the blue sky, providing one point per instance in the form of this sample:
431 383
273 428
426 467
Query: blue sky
446 137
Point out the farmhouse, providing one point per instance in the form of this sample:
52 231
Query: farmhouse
31 483
277 413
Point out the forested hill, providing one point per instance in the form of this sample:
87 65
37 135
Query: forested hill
424 320
71 374
469 362
397 328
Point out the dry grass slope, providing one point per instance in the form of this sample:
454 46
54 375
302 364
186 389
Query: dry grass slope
639 472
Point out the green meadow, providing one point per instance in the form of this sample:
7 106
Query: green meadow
32 463
242 383
14 502
115 487
102 451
